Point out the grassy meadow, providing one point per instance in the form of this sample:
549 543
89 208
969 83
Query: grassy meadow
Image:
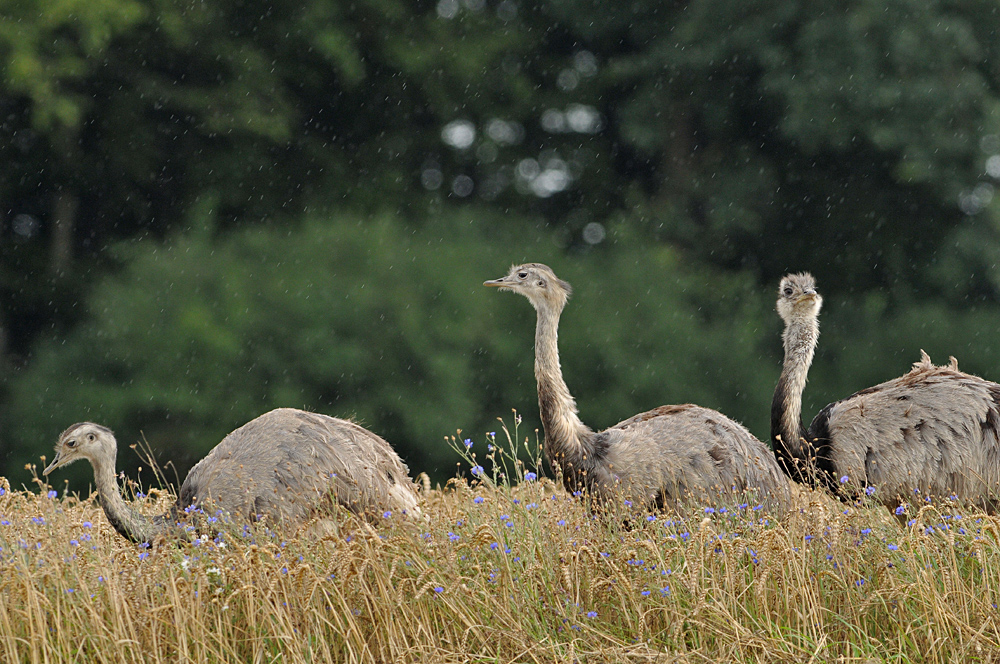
505 571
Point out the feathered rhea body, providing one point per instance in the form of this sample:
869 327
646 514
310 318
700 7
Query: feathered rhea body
931 432
669 455
286 465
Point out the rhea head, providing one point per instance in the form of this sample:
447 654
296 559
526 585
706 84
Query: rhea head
83 440
536 282
798 300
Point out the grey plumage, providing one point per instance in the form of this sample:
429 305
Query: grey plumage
286 465
934 430
669 455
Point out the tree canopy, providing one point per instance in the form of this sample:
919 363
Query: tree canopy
296 202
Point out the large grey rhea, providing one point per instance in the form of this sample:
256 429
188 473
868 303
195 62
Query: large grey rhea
667 455
287 465
933 431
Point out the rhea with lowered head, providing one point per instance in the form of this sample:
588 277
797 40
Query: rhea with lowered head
669 455
933 431
287 465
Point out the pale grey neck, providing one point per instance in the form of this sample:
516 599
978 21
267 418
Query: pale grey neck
565 435
799 339
128 522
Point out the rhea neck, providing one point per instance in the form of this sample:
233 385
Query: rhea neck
129 523
567 439
788 434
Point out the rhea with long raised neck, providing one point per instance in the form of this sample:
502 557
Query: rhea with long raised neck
287 466
932 432
669 455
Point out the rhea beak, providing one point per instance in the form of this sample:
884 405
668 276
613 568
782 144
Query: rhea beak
502 281
55 463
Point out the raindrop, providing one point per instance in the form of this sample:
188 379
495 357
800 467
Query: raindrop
550 181
553 121
25 226
528 169
474 5
447 8
503 132
568 79
583 119
507 10
984 192
431 178
990 143
969 203
459 134
487 152
594 233
462 186
993 166
585 63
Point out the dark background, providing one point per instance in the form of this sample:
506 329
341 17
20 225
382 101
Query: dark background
209 209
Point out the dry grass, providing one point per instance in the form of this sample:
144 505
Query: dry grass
503 574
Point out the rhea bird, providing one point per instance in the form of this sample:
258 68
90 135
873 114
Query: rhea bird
669 455
287 465
933 430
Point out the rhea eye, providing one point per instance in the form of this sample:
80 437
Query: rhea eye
91 437
788 291
541 283
522 275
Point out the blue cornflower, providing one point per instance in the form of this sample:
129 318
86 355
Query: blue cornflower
901 509
561 522
859 583
284 570
2 491
530 476
478 500
591 614
869 490
628 503
467 442
650 518
38 520
74 542
386 514
493 546
477 470
843 480
893 547
644 593
438 589
709 510
453 537
52 494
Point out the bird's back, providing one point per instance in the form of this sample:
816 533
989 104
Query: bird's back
934 429
687 452
287 464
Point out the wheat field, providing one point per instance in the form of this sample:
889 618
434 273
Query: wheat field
505 566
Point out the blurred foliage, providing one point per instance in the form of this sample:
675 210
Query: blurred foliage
201 333
163 160
370 321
